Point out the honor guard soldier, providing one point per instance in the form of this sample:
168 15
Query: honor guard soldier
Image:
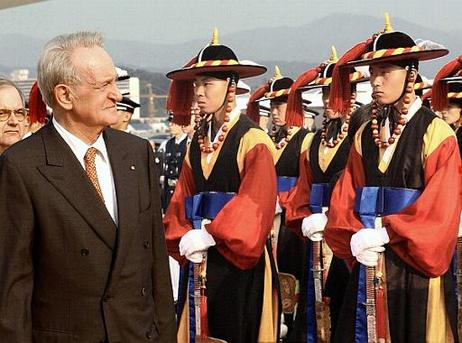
447 102
290 140
221 212
396 214
323 161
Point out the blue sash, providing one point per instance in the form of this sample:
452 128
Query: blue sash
286 183
319 198
200 206
372 202
205 205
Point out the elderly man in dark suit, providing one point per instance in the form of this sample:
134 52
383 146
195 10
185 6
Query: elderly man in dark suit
82 250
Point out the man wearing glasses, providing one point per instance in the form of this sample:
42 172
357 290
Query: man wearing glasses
14 121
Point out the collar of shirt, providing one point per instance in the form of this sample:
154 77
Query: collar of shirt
234 113
79 147
416 105
180 139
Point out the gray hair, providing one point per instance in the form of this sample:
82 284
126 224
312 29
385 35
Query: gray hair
8 83
55 66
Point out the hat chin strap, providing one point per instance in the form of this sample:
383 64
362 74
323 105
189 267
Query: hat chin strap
400 122
409 68
224 102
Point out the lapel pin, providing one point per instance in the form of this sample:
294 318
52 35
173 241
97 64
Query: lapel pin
132 167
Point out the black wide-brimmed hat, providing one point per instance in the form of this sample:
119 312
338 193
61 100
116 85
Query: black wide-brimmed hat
325 77
396 46
421 84
279 86
388 46
276 89
447 84
217 59
242 88
455 89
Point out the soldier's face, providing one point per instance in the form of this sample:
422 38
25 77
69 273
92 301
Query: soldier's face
387 81
278 112
451 115
325 100
210 93
175 129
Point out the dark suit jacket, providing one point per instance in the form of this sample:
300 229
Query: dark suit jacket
67 273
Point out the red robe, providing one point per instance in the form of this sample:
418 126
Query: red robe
243 225
424 234
239 260
419 295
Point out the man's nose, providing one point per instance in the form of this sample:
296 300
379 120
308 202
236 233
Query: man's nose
375 81
115 93
12 120
198 91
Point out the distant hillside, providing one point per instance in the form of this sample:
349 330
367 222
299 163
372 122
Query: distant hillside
294 49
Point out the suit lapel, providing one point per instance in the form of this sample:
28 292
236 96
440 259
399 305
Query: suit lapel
66 174
126 184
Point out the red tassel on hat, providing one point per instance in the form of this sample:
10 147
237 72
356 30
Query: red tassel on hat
181 119
180 95
427 95
37 108
440 88
340 89
294 113
253 106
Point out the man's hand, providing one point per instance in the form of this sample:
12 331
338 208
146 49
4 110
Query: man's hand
195 257
196 241
313 226
368 238
370 257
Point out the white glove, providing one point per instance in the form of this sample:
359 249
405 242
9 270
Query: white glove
196 240
195 257
369 257
313 226
368 238
278 207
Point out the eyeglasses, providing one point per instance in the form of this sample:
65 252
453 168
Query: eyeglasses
20 114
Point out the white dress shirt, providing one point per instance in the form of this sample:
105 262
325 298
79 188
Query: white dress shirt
103 165
178 140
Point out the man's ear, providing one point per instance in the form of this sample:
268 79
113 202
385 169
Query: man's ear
63 96
413 73
126 117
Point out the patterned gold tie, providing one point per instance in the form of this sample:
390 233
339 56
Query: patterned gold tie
90 168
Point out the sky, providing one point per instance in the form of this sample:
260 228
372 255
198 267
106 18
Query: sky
176 21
